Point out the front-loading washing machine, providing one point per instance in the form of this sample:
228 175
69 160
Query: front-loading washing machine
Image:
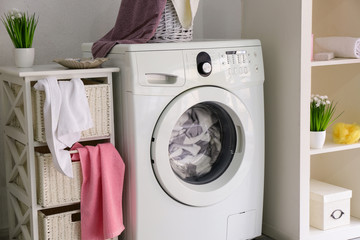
189 121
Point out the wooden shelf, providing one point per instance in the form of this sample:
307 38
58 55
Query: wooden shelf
19 155
330 146
344 232
335 61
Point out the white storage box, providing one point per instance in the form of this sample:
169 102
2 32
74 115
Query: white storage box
329 205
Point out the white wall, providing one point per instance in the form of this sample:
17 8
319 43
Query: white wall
64 25
221 19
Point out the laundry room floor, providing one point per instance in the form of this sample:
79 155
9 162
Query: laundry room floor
263 237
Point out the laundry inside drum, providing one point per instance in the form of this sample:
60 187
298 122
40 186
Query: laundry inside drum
202 143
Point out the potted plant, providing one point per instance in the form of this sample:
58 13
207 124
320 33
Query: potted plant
21 28
322 112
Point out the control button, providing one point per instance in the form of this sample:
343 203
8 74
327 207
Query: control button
241 70
245 70
228 59
206 67
235 61
203 61
241 58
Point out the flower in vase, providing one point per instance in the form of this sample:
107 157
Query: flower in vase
20 27
322 112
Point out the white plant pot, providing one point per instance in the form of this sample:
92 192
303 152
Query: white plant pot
24 57
317 139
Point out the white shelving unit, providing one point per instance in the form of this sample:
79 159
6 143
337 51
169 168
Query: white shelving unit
330 146
285 28
335 61
20 146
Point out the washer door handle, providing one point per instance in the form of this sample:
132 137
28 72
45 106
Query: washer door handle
160 78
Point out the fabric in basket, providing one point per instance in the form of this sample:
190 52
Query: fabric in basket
101 191
186 11
136 22
66 114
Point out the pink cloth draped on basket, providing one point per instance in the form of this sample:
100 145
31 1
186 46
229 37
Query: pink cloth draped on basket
136 22
101 191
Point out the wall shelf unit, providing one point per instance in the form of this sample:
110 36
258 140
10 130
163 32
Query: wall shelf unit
285 29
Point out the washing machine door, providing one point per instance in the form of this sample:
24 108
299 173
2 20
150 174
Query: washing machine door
202 146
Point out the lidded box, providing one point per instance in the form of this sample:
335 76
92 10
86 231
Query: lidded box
329 205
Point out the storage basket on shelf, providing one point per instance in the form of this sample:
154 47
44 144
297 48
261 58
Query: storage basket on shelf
67 189
98 98
60 223
169 28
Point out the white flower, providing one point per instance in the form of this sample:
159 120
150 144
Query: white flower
318 100
15 13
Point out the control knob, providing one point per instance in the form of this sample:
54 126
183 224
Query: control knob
203 61
205 68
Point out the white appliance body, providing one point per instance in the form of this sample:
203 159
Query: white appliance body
156 86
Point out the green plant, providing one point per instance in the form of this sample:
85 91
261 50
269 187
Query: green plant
321 113
20 27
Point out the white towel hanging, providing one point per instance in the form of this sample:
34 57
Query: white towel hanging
66 114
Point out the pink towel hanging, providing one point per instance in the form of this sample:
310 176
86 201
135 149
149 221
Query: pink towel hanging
101 191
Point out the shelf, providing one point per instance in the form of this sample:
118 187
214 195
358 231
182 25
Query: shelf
335 61
330 146
344 232
52 69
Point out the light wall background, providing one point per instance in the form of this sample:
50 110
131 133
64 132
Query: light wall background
64 25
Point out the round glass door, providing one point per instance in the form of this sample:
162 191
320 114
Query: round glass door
202 146
202 143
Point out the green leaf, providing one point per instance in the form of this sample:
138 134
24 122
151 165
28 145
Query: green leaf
20 29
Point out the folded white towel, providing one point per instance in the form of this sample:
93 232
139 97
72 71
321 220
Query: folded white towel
186 11
66 114
346 47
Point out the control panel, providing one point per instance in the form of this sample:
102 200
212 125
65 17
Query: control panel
236 62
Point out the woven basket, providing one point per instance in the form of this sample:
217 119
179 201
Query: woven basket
54 188
169 28
99 104
60 223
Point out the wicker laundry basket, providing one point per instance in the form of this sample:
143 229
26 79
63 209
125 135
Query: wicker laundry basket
99 104
169 28
54 188
60 223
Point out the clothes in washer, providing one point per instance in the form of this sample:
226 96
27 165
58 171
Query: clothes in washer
195 143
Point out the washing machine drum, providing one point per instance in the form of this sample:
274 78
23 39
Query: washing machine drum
202 146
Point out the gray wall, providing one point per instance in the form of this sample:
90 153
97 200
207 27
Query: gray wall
64 25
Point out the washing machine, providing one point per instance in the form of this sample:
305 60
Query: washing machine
189 121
